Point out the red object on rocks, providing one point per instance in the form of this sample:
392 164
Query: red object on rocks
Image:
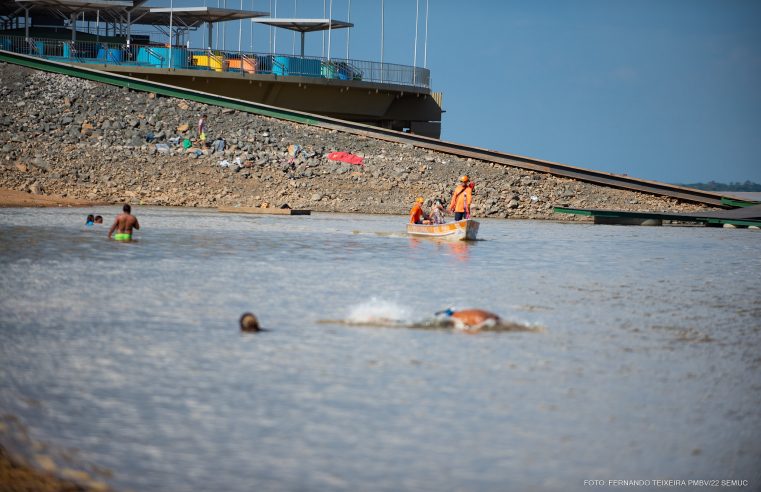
346 157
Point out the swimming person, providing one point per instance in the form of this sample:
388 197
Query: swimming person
90 220
98 219
124 224
461 199
471 319
248 322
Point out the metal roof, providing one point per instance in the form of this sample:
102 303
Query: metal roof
76 5
188 16
304 25
195 15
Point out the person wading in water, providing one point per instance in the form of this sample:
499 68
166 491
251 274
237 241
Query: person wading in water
124 224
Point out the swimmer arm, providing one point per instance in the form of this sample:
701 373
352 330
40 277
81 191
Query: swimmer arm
137 225
113 228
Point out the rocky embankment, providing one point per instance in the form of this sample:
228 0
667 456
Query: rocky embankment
40 467
85 140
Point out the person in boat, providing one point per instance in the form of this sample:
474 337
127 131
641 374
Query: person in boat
90 220
437 212
417 216
470 319
461 199
124 224
249 323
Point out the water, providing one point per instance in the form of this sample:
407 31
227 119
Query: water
647 366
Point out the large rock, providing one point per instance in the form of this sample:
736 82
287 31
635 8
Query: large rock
40 164
87 128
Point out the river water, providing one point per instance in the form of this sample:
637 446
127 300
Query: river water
646 367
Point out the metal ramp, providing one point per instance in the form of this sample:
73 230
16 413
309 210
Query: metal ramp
749 216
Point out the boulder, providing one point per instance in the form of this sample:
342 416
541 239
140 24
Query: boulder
40 164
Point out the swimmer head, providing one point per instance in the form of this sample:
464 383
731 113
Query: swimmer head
248 322
446 312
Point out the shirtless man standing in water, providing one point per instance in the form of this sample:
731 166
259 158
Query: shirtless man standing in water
124 224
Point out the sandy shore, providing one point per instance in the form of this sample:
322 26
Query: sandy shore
13 198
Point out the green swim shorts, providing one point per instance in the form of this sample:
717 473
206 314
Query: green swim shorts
121 236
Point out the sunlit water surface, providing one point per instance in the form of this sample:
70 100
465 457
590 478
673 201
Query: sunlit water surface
647 367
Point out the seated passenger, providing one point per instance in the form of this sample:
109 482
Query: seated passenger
437 212
417 215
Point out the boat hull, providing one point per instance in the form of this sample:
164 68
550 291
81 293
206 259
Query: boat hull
463 230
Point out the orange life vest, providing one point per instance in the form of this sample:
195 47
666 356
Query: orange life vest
416 214
462 195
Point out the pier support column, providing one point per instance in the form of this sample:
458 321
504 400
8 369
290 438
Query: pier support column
73 27
26 24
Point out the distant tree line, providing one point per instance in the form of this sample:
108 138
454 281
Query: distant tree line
714 186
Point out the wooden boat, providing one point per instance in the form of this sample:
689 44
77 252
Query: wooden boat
463 230
265 211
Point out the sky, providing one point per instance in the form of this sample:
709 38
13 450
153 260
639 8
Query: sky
668 90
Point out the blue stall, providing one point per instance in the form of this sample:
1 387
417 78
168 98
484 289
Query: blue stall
110 55
158 56
294 65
